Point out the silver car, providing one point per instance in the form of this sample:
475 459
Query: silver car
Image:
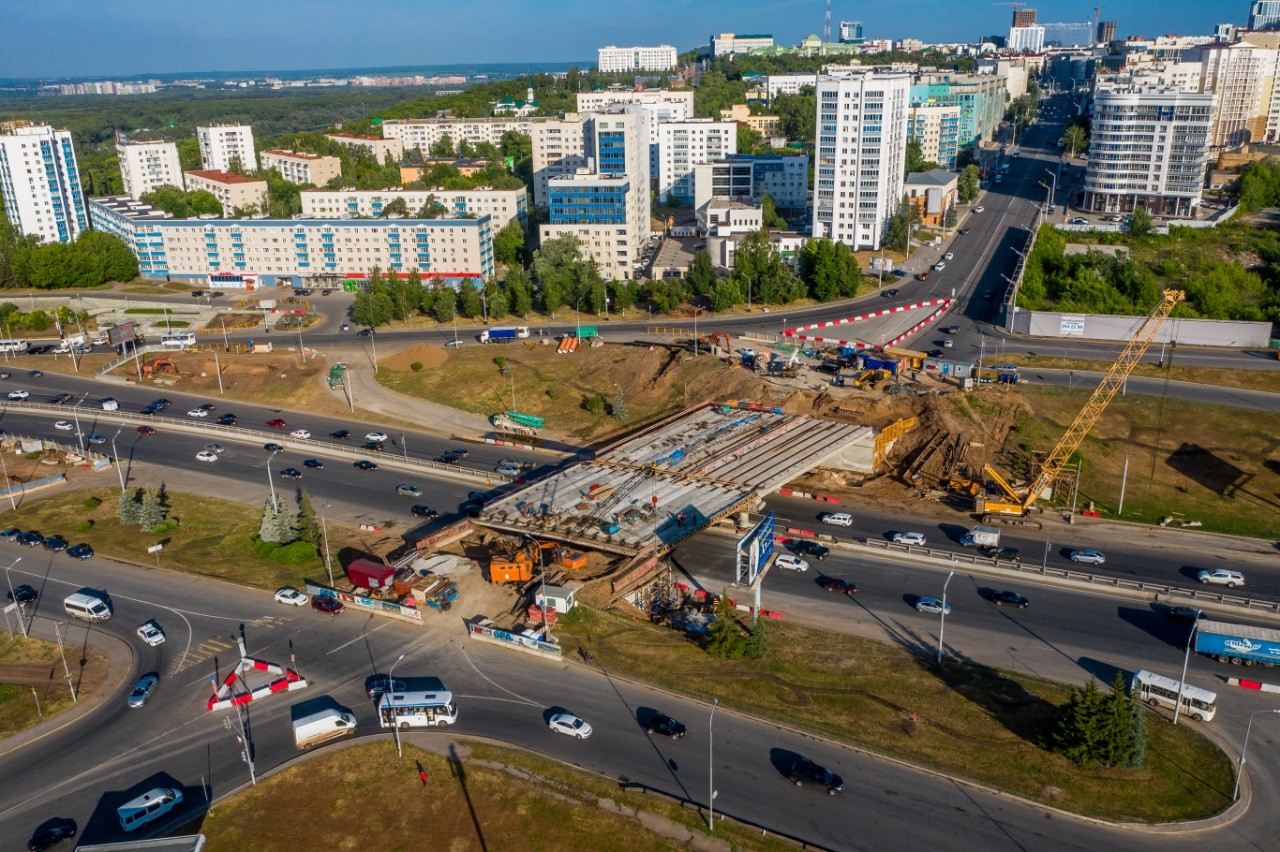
142 690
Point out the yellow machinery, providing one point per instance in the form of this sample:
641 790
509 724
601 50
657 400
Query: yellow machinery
1020 504
870 377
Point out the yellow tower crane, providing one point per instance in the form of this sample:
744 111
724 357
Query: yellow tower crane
1020 504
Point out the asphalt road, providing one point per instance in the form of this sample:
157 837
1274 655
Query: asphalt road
1151 386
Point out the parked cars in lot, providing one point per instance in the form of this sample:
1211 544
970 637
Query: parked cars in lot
837 519
570 725
56 543
1221 577
804 771
326 604
1010 598
290 596
142 690
932 606
836 584
79 551
791 563
914 539
30 538
1090 557
664 725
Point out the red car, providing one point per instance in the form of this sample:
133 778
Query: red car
276 424
146 430
322 603
835 584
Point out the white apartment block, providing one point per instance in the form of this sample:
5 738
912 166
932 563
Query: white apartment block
1264 14
622 60
502 205
301 167
40 182
860 153
788 84
1148 148
381 150
223 144
748 177
231 190
601 98
726 44
1026 39
1243 76
937 128
685 144
559 148
609 214
147 165
291 251
422 133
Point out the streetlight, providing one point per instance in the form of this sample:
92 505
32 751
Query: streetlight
238 731
116 456
1045 563
391 688
1240 768
577 317
942 623
711 785
75 412
1053 187
21 619
324 526
1186 659
275 507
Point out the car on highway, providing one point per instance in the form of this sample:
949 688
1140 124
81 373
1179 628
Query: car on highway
569 724
912 539
365 464
805 771
446 459
1010 598
95 438
458 451
80 551
1079 220
151 633
932 606
290 596
276 423
422 511
365 332
215 448
300 433
1184 613
449 344
227 420
313 464
376 436
207 406
146 430
890 293
836 519
979 209
404 489
341 435
206 456
162 403
380 684
949 256
61 399
64 425
1090 557
935 353
1221 577
509 470
514 462
18 394
51 833
372 446
56 543
291 473
939 266
197 412
923 275
664 725
1010 554
804 547
142 690
326 604
836 584
272 447
791 563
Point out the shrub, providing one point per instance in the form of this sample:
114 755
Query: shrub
416 366
90 503
84 526
594 404
167 525
501 362
295 553
265 548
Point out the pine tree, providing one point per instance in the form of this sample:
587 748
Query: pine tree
1139 756
724 639
150 511
757 641
619 410
1080 721
1118 725
308 528
128 510
276 526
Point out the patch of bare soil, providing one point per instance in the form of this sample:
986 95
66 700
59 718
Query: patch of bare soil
428 355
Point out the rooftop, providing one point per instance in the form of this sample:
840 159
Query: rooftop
355 136
933 177
219 176
297 155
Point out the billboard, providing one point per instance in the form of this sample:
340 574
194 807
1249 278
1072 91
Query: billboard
121 334
754 550
1070 326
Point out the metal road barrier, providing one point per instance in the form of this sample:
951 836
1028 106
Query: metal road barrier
1082 577
251 436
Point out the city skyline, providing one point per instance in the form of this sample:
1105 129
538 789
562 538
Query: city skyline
152 37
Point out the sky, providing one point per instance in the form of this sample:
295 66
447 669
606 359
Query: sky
101 38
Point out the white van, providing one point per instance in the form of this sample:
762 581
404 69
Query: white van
151 805
87 606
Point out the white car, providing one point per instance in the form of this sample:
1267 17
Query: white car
567 723
197 412
939 266
838 519
452 343
949 256
151 634
64 426
979 209
291 596
913 539
793 563
376 436
932 606
1221 577
206 456
300 433
18 394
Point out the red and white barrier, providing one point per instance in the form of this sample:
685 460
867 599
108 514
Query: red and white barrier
1253 684
943 303
223 697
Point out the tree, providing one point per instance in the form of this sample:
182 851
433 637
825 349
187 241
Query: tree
725 294
519 291
395 207
372 307
724 637
128 509
1075 139
901 225
470 305
442 147
1079 728
769 213
757 640
308 526
150 512
950 218
276 526
1140 226
968 184
508 244
666 294
1118 732
619 407
702 273
749 139
444 306
915 158
432 209
555 266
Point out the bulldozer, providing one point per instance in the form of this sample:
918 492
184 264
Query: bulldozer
157 366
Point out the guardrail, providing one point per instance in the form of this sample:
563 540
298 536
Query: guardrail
1083 577
250 436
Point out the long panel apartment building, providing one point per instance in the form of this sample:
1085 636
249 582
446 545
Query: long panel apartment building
302 168
40 182
147 165
291 251
619 60
422 133
377 148
503 205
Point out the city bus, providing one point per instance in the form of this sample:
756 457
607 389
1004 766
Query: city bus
416 709
178 340
13 347
1159 690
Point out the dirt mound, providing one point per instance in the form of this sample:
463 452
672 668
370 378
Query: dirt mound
428 354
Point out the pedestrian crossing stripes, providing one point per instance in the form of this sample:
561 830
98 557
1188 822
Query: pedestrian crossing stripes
219 645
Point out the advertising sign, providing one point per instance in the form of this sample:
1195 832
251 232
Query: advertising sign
754 550
1071 327
121 334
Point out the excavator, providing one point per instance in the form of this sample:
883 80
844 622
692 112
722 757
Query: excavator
156 366
1018 504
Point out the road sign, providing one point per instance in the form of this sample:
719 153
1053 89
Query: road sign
754 550
155 548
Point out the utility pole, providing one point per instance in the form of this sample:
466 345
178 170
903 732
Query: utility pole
1124 479
217 368
325 527
75 699
238 733
1075 492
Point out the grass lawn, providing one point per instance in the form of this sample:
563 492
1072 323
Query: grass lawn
1188 461
967 719
474 801
1263 380
213 539
32 662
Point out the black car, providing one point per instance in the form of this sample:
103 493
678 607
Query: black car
341 434
365 464
424 512
664 725
935 353
61 399
366 332
10 534
51 834
291 473
149 411
227 420
56 543
80 551
1010 554
161 403
207 406
313 464
1011 598
447 459
458 451
23 595
890 293
804 771
810 548
272 447
835 584
1184 613
964 231
30 538
380 684
372 446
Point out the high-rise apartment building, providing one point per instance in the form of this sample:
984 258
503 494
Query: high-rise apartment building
146 165
937 128
685 144
559 148
981 98
851 32
301 167
622 60
1024 17
40 182
658 104
223 145
860 153
1148 149
1106 32
1264 14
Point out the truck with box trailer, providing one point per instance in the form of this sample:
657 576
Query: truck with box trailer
504 334
981 536
323 726
1238 644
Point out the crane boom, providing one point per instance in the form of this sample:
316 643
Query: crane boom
1102 395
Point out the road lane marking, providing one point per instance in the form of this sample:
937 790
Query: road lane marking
357 639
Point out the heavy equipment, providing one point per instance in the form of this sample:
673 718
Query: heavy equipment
157 366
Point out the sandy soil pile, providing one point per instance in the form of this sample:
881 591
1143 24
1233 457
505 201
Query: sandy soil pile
428 354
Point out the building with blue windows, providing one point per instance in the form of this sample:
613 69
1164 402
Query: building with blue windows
937 128
40 182
608 215
291 251
981 98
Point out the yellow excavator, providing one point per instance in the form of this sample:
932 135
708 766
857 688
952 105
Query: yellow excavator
1017 505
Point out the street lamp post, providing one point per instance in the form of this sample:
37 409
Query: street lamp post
275 507
1240 767
116 456
1186 660
711 769
75 412
942 618
21 619
1045 563
238 730
75 699
391 684
324 526
8 486
577 317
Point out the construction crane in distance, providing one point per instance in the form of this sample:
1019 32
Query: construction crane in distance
826 25
1020 504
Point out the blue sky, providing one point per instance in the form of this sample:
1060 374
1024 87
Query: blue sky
125 37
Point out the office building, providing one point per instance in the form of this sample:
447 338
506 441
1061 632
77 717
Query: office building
302 168
234 192
788 84
422 133
1148 148
1106 32
1025 39
501 205
214 252
727 44
1023 17
860 152
625 60
227 148
851 32
1068 35
1264 15
146 165
937 128
559 148
981 98
747 177
40 182
381 149
683 145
